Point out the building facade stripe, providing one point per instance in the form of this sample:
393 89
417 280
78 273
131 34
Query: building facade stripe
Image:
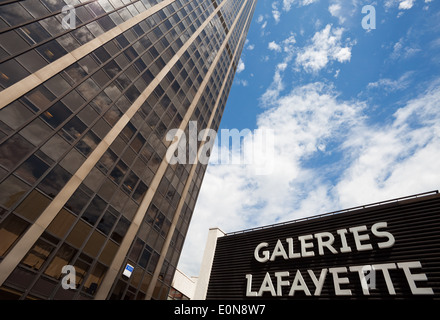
25 85
194 166
20 249
140 214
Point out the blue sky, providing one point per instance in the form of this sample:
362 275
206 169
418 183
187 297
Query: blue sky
354 112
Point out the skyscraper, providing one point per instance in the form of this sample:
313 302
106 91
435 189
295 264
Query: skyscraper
90 208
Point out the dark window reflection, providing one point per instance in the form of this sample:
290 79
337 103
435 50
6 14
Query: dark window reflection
94 210
120 230
54 181
56 114
52 50
13 150
106 223
32 169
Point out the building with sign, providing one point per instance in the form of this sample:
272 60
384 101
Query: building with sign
387 250
90 206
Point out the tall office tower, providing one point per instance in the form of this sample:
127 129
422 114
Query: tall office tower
90 207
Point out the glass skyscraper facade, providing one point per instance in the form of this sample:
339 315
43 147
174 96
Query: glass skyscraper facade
88 93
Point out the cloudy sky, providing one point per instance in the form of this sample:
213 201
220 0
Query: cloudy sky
354 112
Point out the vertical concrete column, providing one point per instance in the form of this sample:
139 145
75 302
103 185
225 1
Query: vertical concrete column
205 268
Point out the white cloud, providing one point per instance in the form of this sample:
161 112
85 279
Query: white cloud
403 50
376 162
250 47
287 4
326 46
335 11
240 66
406 4
275 12
390 85
274 46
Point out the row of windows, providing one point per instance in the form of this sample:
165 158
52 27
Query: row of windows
95 206
75 127
48 40
103 227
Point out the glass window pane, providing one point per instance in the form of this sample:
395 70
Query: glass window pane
32 61
40 97
79 234
13 150
34 33
77 201
11 190
33 205
120 230
94 210
106 223
73 100
36 131
10 230
54 181
108 253
88 143
12 42
94 244
11 72
62 258
32 169
88 89
14 14
51 50
56 114
55 147
57 85
94 279
38 254
15 114
61 224
74 128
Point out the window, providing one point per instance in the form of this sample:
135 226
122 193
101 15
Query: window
107 222
34 33
36 131
54 181
94 279
40 97
31 60
14 14
32 169
94 210
56 114
78 200
73 129
11 72
61 224
88 89
15 114
51 50
13 150
118 172
88 143
73 100
120 230
10 230
38 254
62 258
12 42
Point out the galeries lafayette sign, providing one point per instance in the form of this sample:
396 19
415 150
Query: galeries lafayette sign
302 246
381 251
